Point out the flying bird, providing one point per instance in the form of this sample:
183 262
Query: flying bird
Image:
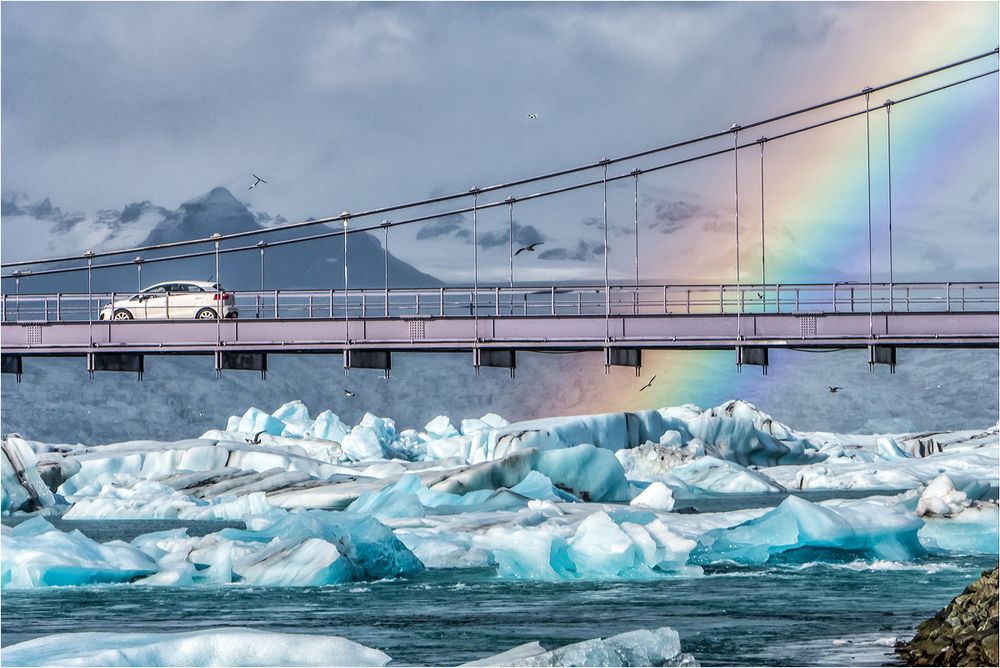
834 389
647 384
257 182
530 248
256 438
533 116
348 394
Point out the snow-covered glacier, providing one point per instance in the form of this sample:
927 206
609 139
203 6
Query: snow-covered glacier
617 496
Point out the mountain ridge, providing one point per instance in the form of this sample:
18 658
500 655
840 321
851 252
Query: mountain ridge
288 266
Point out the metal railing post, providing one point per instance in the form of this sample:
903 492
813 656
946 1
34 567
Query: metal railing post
607 282
58 306
552 300
90 295
497 298
947 297
441 310
385 263
345 217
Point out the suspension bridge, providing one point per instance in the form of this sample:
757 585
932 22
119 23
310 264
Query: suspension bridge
494 321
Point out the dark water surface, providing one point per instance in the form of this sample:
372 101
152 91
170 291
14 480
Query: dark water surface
843 614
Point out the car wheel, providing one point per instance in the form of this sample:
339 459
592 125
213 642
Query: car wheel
206 314
121 314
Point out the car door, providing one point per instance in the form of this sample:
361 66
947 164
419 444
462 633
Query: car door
185 301
156 302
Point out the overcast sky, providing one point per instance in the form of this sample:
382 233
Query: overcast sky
349 106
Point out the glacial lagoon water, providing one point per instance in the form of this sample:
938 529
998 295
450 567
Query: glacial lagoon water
801 613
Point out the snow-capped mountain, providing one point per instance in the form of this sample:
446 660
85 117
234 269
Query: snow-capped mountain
43 230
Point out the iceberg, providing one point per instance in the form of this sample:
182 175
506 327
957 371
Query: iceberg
598 547
36 554
974 530
611 431
151 500
941 498
227 646
738 432
863 527
720 476
657 497
659 647
295 549
22 486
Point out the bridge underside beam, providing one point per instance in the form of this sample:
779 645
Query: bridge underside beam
451 334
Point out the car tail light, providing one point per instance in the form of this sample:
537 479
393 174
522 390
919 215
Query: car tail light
220 295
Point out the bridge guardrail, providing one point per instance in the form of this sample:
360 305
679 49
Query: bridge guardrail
553 301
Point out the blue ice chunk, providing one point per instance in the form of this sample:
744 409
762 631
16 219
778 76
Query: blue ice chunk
36 554
587 472
865 529
972 531
256 420
369 545
537 485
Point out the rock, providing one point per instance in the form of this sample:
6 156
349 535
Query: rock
963 634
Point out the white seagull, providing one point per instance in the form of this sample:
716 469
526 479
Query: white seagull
533 116
257 182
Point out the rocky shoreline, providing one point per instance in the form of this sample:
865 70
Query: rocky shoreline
962 634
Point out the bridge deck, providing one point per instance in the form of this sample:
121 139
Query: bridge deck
552 318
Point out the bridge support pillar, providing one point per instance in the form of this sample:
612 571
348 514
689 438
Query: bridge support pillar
241 361
129 362
882 355
494 357
12 365
752 355
368 359
631 357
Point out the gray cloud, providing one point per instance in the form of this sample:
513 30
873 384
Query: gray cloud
523 235
349 106
670 216
441 227
582 251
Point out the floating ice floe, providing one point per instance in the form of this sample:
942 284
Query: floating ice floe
152 500
546 542
716 475
659 647
36 554
861 527
657 497
974 530
295 549
230 646
150 460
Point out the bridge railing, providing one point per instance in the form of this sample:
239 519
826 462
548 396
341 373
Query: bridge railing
558 301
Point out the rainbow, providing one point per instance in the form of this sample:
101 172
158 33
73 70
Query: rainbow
817 202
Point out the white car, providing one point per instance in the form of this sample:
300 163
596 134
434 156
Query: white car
200 300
